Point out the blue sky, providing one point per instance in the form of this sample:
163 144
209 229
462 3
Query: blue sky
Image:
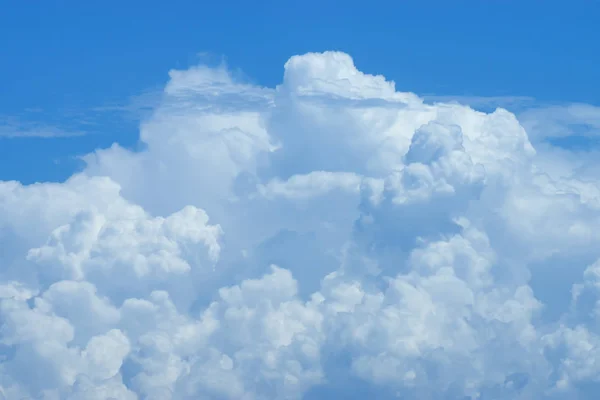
65 61
268 200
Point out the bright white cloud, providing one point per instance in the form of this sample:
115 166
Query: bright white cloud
328 238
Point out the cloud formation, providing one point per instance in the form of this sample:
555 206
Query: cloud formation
332 237
12 128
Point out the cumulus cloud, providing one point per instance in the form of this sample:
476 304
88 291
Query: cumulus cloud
331 237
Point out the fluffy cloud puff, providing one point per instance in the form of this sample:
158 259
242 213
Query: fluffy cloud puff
330 237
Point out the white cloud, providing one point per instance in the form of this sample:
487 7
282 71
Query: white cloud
493 102
567 136
556 121
12 127
330 237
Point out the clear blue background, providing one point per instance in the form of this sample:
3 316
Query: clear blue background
62 59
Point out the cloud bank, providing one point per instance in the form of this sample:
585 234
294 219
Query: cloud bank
332 237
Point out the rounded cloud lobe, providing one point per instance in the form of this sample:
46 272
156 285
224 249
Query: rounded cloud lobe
328 238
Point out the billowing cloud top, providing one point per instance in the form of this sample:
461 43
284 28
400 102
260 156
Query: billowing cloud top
328 238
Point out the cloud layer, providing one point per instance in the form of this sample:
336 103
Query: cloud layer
329 238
